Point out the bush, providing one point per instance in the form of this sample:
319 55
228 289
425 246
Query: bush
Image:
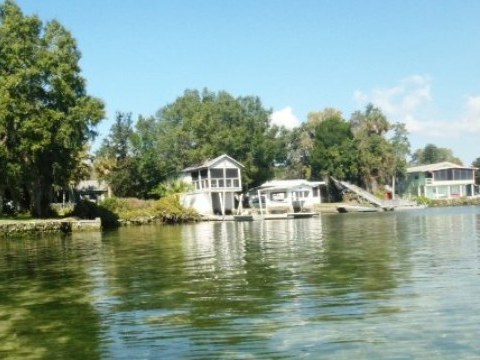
171 211
167 210
423 200
89 210
62 210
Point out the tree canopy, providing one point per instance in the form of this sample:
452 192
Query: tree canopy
432 154
195 127
46 116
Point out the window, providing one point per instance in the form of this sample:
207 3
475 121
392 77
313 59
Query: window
216 173
278 196
232 173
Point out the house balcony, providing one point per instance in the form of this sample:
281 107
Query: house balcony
217 184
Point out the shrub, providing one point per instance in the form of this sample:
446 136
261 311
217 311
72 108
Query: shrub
167 210
171 211
423 200
89 210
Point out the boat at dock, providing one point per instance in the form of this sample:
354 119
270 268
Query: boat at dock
356 208
246 217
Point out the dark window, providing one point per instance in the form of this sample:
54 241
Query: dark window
232 173
216 173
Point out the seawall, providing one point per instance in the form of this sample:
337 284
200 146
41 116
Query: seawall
49 225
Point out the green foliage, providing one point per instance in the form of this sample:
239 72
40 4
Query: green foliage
166 210
423 200
376 155
171 211
169 188
460 201
401 149
432 154
334 152
89 210
194 128
114 160
200 126
46 117
63 210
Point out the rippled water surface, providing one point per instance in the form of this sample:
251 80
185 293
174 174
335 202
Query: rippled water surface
350 286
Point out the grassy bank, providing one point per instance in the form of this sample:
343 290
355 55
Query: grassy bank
461 201
123 211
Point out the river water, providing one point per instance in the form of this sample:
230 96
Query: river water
400 285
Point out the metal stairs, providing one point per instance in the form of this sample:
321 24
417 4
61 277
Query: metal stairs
372 199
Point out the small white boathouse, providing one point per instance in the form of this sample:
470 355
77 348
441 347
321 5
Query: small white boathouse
215 186
291 196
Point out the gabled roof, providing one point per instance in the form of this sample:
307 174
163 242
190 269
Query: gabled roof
437 166
212 162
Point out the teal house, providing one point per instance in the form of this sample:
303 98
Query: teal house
444 180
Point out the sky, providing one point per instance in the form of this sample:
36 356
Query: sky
417 60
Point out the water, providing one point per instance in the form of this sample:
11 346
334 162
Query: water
364 286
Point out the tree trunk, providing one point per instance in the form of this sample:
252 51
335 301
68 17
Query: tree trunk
2 197
41 199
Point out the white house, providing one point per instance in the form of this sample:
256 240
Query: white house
215 185
286 195
444 180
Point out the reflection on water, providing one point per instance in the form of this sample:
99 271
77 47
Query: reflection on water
390 285
46 308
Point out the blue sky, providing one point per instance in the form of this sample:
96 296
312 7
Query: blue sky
418 60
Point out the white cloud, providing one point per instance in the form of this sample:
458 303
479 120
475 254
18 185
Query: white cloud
285 117
471 121
411 102
408 102
402 100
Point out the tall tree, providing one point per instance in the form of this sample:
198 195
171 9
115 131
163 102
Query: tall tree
334 150
46 116
198 126
114 159
432 154
375 152
301 142
401 149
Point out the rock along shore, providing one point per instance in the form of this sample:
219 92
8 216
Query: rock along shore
49 225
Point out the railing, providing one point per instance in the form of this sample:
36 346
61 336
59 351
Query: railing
216 184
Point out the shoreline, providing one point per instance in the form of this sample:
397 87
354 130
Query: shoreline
66 226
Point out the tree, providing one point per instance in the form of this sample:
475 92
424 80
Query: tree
334 150
377 160
300 143
432 154
46 116
151 166
114 160
199 126
401 149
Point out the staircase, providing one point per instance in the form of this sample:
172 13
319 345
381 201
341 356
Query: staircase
372 199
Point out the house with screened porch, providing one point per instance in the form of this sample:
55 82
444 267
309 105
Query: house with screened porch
444 180
215 186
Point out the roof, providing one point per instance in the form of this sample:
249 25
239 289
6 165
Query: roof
211 162
288 184
437 166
